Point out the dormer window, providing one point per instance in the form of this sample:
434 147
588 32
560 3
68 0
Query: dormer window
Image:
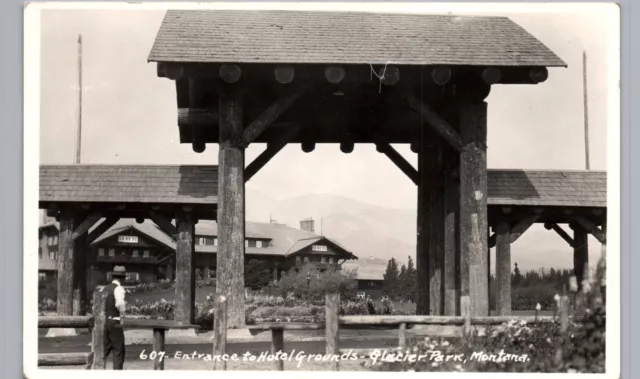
202 241
258 243
246 243
319 248
215 242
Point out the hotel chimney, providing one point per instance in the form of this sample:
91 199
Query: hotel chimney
307 225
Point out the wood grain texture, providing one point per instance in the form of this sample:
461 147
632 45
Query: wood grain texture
451 276
473 206
277 344
220 326
65 321
185 287
158 347
503 269
99 329
332 328
66 265
231 207
65 359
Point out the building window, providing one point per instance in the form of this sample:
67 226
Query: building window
319 248
215 242
101 252
306 259
145 254
322 259
49 240
135 253
258 243
52 255
55 240
42 276
246 243
330 259
297 260
112 252
212 272
128 239
133 277
202 241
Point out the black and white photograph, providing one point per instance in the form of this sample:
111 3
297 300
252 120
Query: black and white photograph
352 187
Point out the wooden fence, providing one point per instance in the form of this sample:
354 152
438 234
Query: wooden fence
94 360
333 322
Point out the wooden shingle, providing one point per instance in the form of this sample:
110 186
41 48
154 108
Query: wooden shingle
346 38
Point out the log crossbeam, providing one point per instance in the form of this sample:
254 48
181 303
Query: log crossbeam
273 148
517 230
164 224
436 122
105 225
85 226
400 162
592 228
561 232
269 115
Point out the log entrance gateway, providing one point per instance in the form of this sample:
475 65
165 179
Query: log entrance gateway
367 78
381 79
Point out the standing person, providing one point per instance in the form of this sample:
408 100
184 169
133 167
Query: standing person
114 308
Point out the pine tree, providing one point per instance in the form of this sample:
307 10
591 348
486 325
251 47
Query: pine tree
390 278
517 277
411 282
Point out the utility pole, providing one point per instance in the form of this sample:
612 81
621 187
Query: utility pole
79 140
586 110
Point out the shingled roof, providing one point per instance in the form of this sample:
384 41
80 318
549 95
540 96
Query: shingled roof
199 185
548 188
130 183
346 38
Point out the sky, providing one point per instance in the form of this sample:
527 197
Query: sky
130 116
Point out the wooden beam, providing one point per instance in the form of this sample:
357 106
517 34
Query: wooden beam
284 102
473 206
271 151
503 269
441 75
164 224
435 121
185 271
491 75
85 226
400 162
538 74
591 227
231 204
452 252
284 74
334 74
65 265
436 216
347 147
580 255
230 73
558 229
522 226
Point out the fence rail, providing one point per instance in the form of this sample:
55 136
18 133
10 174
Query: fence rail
333 323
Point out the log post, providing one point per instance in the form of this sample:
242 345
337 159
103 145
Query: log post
219 331
503 269
436 233
465 311
451 245
473 205
80 252
158 348
402 339
99 329
185 271
277 344
332 328
66 264
580 253
422 230
231 205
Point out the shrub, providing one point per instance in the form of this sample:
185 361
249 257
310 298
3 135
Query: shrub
308 283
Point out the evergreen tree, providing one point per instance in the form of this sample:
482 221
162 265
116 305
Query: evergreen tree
517 277
402 282
391 279
412 281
